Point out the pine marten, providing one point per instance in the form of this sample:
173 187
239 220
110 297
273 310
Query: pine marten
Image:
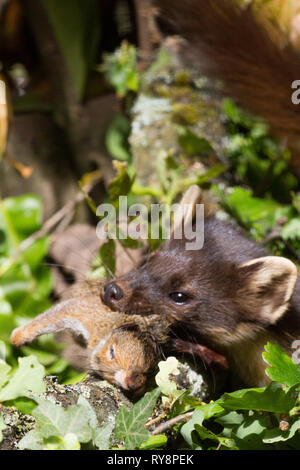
229 296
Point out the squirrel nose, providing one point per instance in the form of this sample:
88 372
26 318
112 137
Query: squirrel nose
112 294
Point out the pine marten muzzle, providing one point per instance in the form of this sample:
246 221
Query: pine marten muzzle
230 296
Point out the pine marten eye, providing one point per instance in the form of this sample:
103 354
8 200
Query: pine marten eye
179 298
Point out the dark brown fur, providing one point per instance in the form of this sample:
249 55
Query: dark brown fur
225 309
230 45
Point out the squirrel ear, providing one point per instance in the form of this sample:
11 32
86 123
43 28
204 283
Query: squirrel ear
266 286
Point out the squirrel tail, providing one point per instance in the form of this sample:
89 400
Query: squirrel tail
228 43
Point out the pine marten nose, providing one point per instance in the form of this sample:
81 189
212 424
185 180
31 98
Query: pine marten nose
112 294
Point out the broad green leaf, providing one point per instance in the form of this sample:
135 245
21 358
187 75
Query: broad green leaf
121 69
210 174
206 411
4 373
256 424
24 213
282 368
33 440
272 398
54 420
207 434
276 435
121 184
191 143
130 424
27 378
116 138
102 436
76 26
2 351
154 442
107 256
291 230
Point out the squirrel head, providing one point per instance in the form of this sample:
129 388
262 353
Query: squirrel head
124 358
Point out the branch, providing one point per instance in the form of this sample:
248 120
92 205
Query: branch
163 427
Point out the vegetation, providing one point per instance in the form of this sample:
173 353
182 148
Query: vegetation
254 186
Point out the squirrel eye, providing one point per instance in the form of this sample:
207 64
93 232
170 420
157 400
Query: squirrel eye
111 353
179 297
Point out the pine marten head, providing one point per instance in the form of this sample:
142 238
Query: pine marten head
224 293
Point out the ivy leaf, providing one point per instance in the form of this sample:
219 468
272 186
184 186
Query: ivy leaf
57 427
154 442
272 398
102 436
283 369
53 420
4 368
130 424
27 378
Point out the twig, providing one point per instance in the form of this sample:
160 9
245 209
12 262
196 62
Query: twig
172 422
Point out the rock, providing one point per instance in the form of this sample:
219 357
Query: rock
103 398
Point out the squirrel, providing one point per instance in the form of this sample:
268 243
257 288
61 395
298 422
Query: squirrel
230 296
120 351
227 43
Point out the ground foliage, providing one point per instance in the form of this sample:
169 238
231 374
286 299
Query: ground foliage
258 190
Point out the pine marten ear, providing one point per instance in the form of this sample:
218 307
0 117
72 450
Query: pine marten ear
187 207
266 286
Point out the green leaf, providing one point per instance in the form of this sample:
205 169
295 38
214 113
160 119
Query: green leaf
28 378
154 442
76 26
202 413
291 230
192 144
116 138
276 435
57 427
283 369
130 424
272 398
102 436
121 184
121 69
107 256
207 434
210 174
